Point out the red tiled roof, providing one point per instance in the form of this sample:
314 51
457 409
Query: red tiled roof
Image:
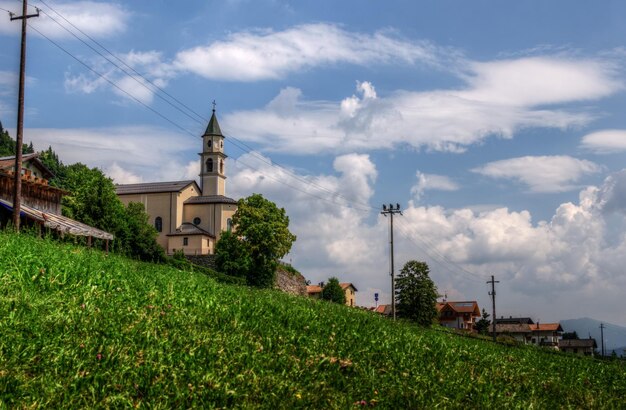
310 289
546 327
460 307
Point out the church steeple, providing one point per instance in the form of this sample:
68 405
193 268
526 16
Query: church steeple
213 159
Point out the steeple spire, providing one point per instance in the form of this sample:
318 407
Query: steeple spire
213 128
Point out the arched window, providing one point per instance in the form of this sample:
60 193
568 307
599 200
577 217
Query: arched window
229 224
209 142
209 165
221 167
221 144
158 224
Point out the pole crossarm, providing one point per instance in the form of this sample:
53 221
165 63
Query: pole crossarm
391 211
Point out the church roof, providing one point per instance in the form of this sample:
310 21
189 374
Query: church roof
153 187
188 229
213 128
210 199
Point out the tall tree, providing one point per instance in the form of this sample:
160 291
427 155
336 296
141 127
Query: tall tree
263 237
416 293
333 292
482 326
231 256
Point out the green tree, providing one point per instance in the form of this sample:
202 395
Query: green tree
262 232
141 235
333 292
231 255
570 335
482 326
7 144
416 294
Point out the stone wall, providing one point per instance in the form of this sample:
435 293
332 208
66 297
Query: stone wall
208 261
293 283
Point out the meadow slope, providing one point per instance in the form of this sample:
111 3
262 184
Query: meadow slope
81 329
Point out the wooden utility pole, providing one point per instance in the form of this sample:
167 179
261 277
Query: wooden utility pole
602 337
17 189
493 299
390 211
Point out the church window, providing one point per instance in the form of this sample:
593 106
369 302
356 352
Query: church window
209 165
185 241
221 144
221 167
229 224
196 221
209 142
158 224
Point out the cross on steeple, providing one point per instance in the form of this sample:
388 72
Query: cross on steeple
214 104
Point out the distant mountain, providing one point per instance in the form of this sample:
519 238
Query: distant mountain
614 335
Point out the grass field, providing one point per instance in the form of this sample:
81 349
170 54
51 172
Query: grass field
81 329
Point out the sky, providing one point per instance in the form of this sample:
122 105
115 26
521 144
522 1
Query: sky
498 127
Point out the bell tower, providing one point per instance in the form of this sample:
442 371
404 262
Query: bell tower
213 159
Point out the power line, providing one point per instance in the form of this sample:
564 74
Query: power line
243 146
434 250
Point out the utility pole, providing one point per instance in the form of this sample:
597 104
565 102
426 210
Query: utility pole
493 299
17 189
391 211
602 337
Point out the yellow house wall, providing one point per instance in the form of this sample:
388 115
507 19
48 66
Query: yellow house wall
156 204
226 211
203 211
181 197
197 245
350 296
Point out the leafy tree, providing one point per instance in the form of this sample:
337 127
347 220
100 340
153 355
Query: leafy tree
570 335
482 326
333 292
142 235
231 256
263 237
416 293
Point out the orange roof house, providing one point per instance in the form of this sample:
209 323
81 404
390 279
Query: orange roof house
458 315
315 291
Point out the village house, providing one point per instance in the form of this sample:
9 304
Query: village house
458 315
349 290
526 331
40 203
583 347
189 217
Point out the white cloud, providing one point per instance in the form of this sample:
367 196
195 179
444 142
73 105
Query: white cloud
128 85
605 141
128 153
533 81
432 182
260 55
96 19
541 173
499 99
122 176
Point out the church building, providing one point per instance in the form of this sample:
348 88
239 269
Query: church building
189 217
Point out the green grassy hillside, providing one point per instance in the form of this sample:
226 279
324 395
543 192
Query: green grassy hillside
81 329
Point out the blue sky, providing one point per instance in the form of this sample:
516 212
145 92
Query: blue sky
497 126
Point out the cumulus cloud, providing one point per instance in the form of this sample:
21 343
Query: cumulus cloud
499 99
432 182
96 19
541 173
260 55
605 141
